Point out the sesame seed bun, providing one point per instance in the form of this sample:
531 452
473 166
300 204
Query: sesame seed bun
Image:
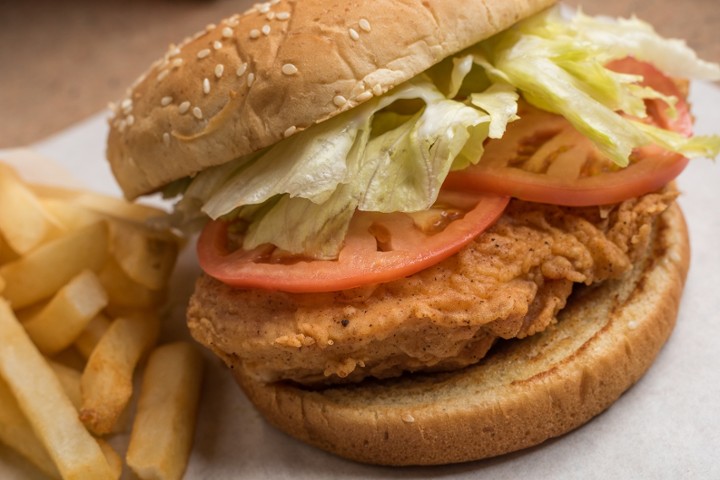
254 78
522 394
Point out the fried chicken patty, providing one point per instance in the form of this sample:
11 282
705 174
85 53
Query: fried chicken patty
509 282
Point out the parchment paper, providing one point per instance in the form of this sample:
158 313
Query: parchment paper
666 427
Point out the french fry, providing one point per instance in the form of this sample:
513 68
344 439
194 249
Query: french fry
69 215
124 292
46 269
145 255
41 398
114 207
164 425
112 457
89 338
106 383
69 261
70 381
17 433
24 223
60 322
6 253
117 207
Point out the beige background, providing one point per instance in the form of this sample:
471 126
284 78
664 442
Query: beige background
61 61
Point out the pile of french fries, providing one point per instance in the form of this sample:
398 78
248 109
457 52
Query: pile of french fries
82 282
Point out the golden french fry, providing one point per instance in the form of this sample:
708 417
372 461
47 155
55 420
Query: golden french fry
147 256
24 223
6 253
106 383
89 338
107 205
17 433
118 207
46 269
41 398
60 322
69 215
44 190
123 291
70 381
164 425
112 457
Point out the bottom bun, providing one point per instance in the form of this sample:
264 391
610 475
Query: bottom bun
522 394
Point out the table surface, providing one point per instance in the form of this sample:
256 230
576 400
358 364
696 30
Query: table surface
64 61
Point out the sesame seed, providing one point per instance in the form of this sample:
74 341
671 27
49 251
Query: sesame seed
162 75
270 15
210 26
219 69
263 7
166 139
339 100
112 106
632 325
173 51
206 86
366 95
130 120
233 21
354 34
241 70
274 2
289 131
364 24
227 32
203 53
266 29
282 15
184 107
254 33
177 62
377 90
217 44
197 113
250 79
407 418
289 69
165 101
126 104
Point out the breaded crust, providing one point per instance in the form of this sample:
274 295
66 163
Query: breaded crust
509 282
524 393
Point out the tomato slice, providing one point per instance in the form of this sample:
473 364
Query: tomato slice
379 247
542 158
657 109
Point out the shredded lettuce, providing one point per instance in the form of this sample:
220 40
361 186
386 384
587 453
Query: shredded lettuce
300 194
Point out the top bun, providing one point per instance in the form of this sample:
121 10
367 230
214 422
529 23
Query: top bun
277 69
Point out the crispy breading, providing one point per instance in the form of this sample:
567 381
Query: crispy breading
510 282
